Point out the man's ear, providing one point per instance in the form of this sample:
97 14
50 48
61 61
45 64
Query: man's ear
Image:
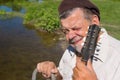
95 20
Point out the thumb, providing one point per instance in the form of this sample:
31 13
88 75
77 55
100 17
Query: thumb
55 70
89 65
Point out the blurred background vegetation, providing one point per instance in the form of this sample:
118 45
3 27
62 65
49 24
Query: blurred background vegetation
43 14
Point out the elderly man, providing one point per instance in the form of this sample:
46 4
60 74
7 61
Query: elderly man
75 17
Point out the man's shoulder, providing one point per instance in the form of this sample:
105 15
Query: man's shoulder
114 44
114 41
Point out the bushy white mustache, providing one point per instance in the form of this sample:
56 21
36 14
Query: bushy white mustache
74 39
78 47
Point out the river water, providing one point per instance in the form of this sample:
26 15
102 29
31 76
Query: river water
21 48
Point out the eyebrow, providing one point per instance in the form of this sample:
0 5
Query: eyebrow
62 27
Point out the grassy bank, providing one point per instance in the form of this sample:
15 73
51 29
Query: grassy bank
43 15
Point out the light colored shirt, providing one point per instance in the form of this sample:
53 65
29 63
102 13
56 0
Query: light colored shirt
106 62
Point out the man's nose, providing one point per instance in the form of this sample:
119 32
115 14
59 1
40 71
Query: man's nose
71 34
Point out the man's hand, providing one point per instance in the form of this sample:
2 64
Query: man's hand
46 68
83 72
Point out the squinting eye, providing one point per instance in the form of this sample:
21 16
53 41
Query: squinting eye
65 31
76 29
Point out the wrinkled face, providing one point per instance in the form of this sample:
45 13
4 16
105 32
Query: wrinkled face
75 28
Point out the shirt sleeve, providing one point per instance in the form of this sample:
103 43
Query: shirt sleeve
67 64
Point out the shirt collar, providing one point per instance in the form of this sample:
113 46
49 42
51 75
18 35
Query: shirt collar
102 47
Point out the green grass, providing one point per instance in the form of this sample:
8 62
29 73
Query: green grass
43 15
110 16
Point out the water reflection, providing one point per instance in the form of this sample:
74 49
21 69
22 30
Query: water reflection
5 8
12 8
22 48
48 39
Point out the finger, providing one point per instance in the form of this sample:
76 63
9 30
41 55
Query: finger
39 67
76 74
55 70
89 65
80 65
78 61
91 69
45 75
48 72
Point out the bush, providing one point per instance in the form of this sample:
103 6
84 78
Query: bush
43 15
